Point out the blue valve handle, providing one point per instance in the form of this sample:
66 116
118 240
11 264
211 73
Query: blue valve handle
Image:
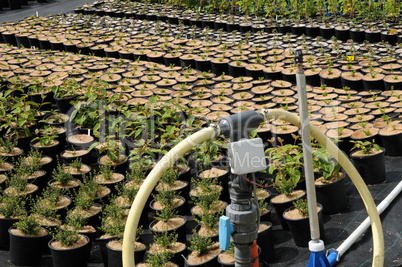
225 229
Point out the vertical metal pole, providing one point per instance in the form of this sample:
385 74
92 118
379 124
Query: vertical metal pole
307 153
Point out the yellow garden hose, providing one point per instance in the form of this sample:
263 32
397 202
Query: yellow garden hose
378 237
150 182
205 134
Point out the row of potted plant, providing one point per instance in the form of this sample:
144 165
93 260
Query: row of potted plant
297 21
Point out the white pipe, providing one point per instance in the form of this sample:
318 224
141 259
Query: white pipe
378 237
149 184
307 155
366 223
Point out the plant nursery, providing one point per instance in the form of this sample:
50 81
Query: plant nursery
129 129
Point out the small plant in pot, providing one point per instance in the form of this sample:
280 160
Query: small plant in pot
204 251
227 256
108 178
115 155
128 191
113 224
9 149
18 183
85 206
63 179
77 169
12 208
330 187
368 158
207 196
166 243
46 141
90 189
4 165
27 240
286 161
166 219
52 204
68 247
298 222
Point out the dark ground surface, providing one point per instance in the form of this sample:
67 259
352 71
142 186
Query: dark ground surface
51 7
337 227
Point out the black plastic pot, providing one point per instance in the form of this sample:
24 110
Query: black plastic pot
9 37
22 40
114 256
76 257
267 215
236 71
280 207
177 257
373 84
373 36
63 104
44 44
332 196
265 241
284 29
219 67
352 84
224 264
392 85
120 167
202 65
5 224
313 79
33 41
232 27
327 33
276 75
181 209
99 52
342 33
300 228
370 167
332 82
357 35
219 25
181 230
102 242
389 38
209 263
312 31
298 29
23 142
26 250
392 144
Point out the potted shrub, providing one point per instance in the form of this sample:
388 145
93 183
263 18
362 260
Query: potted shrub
63 179
167 220
391 138
330 187
27 240
52 202
115 156
368 158
286 162
9 149
12 208
204 252
68 247
298 222
166 242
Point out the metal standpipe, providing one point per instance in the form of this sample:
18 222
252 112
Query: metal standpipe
307 152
